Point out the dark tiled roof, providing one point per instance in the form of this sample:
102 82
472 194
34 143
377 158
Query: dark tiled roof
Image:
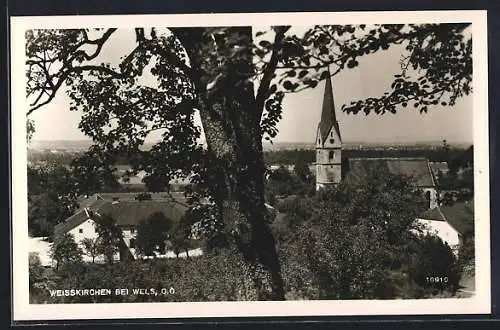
433 214
417 168
130 213
328 117
127 211
460 216
131 196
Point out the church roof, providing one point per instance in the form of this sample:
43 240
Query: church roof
328 117
417 168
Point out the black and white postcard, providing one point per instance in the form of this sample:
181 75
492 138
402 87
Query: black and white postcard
225 165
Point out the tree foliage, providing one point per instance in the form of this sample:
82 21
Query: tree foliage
92 247
109 236
212 70
51 197
352 240
65 251
153 233
434 265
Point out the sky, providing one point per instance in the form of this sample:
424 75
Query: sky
302 110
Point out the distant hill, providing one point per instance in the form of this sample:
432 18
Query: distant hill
67 145
82 145
362 144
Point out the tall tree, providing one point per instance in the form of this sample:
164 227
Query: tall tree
153 233
92 247
348 243
109 236
212 70
51 197
65 251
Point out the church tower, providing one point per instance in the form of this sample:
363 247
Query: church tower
328 143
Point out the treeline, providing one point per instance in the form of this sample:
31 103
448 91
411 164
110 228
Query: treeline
290 156
433 155
64 158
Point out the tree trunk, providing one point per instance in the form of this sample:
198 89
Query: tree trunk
231 123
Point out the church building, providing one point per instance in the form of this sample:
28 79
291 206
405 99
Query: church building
330 169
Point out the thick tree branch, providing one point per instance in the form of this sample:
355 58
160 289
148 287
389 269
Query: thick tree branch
67 68
268 72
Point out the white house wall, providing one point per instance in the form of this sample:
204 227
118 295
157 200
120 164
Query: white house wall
88 230
84 230
443 230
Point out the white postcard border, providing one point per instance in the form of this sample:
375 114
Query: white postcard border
23 311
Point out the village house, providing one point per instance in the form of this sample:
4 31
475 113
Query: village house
126 210
452 223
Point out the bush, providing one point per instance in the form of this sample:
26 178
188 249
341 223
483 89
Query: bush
216 277
434 266
39 280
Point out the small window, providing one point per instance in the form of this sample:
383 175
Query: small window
132 243
331 155
80 230
132 230
332 141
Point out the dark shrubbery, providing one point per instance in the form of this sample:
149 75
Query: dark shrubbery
221 277
434 266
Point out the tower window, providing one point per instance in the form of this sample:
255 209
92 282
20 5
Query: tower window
332 141
331 155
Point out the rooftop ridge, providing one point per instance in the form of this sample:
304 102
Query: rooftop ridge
388 158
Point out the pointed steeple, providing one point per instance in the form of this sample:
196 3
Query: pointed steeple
328 117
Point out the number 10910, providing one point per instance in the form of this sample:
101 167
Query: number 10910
436 279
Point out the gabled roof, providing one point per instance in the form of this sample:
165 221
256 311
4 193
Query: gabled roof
328 117
417 168
131 213
434 214
459 215
126 211
80 216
